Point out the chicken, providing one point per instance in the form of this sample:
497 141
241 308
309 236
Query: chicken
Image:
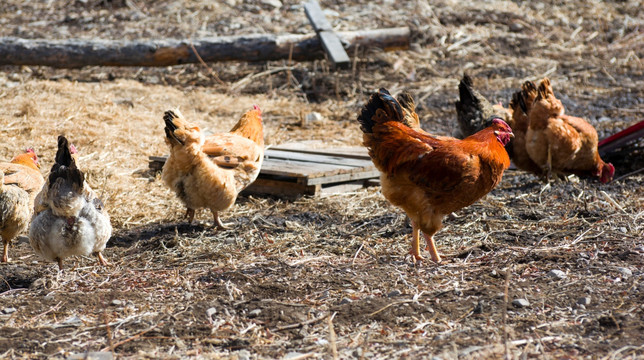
560 143
474 112
520 105
430 177
69 218
20 180
210 172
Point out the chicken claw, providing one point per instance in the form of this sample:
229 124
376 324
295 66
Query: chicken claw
218 222
101 259
190 215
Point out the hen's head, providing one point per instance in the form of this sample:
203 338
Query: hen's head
605 172
28 158
502 130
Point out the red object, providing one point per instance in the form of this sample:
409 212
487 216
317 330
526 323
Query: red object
616 141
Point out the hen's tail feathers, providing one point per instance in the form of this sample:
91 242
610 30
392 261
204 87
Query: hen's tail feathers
466 94
65 166
170 127
390 110
544 89
524 97
406 100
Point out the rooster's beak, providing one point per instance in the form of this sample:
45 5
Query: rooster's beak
511 135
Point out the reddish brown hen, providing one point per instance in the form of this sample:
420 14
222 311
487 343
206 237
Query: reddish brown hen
560 143
20 180
428 176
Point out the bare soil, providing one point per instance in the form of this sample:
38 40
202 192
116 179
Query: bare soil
330 277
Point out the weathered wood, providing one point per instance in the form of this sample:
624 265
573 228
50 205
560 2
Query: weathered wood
330 41
318 158
280 188
75 53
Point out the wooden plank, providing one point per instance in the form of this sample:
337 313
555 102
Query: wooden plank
280 188
355 152
347 176
317 158
342 188
303 169
330 41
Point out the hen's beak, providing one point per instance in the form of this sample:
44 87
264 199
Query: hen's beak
511 135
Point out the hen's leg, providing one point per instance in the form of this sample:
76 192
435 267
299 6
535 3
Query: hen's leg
432 248
415 242
101 259
5 251
60 263
190 215
549 165
218 222
435 225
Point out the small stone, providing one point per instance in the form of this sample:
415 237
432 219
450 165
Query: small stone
243 355
520 303
292 355
394 293
188 295
210 312
581 307
623 230
313 117
557 274
458 292
584 300
254 313
274 3
9 310
116 302
626 273
93 355
516 27
345 301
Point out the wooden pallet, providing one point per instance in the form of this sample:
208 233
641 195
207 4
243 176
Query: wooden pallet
292 172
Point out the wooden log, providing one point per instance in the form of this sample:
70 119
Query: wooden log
330 41
76 53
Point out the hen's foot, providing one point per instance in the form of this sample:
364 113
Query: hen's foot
190 215
101 259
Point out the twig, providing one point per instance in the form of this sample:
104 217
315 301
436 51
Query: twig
138 335
390 305
356 255
300 324
248 78
332 338
54 308
212 73
629 174
505 314
613 202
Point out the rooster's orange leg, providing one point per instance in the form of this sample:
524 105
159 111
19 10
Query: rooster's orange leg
432 248
190 215
101 259
415 242
218 222
5 252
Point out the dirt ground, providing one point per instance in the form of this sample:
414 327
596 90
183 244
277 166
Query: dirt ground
533 270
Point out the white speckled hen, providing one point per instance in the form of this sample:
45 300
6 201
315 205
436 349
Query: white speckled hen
69 218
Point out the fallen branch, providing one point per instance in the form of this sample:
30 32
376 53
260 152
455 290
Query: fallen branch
75 53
